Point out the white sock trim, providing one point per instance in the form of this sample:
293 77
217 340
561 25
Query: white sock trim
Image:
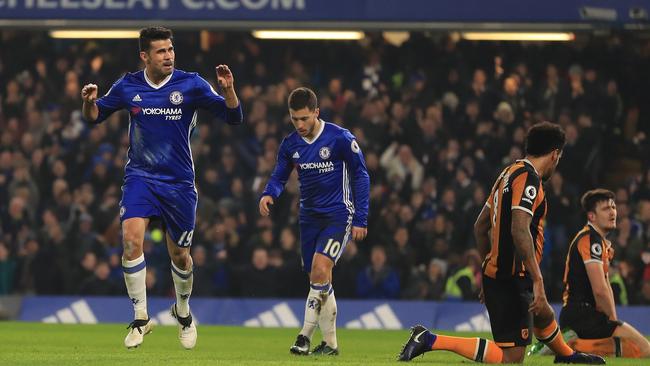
132 263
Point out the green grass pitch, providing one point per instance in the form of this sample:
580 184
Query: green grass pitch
95 345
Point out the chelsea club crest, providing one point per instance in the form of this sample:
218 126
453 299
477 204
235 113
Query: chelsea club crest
176 97
324 152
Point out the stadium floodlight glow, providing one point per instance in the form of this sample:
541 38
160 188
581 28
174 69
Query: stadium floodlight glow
519 36
95 33
309 34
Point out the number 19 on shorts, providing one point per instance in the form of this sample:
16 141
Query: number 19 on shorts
186 239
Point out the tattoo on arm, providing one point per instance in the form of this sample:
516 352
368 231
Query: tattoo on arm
523 241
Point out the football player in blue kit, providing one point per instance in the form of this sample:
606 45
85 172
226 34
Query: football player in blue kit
159 175
334 195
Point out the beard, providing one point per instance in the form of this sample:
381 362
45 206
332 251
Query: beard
549 174
546 177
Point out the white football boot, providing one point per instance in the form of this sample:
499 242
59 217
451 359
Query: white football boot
186 329
137 330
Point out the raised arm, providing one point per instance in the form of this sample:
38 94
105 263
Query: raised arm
89 108
226 107
227 83
95 110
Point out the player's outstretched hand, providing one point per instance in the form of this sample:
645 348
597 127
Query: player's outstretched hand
359 233
265 201
224 77
89 93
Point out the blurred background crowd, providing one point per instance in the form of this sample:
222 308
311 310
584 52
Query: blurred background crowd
437 119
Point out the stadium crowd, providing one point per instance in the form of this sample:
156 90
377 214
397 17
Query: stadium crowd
437 119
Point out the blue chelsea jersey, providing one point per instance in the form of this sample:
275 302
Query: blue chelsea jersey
162 118
333 178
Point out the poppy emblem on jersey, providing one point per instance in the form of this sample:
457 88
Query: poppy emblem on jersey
176 97
524 333
531 192
324 152
135 110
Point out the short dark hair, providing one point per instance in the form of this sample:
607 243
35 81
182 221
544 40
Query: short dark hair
544 137
147 35
591 198
301 98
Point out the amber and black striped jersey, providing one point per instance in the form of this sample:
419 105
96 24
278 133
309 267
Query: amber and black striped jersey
518 187
588 246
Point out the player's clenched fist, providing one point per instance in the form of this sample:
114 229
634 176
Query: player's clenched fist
265 201
225 77
89 93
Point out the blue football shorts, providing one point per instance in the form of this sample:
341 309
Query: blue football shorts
325 236
174 204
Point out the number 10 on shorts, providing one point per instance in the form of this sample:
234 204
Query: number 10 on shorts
186 239
332 248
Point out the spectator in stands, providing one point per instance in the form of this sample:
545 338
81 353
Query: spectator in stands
100 284
16 222
351 263
618 286
428 283
294 282
7 270
259 279
402 254
462 283
202 272
402 168
85 239
378 280
645 293
154 288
